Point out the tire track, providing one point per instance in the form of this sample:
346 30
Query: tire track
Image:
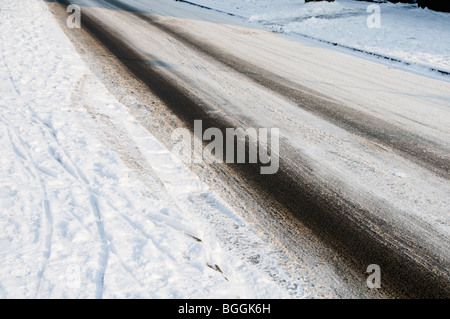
117 139
105 248
354 232
25 156
420 150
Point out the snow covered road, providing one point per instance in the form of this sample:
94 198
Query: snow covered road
405 33
364 163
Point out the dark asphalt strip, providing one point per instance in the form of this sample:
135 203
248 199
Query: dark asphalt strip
416 148
408 269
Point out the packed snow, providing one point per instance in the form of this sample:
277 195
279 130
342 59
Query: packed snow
84 216
419 38
93 206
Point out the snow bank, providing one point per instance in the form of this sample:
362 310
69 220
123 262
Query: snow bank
91 204
418 37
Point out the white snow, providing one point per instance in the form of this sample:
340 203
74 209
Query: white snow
84 216
418 37
93 206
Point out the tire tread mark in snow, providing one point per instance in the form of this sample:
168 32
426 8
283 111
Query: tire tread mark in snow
104 254
346 228
118 140
26 156
422 151
46 209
